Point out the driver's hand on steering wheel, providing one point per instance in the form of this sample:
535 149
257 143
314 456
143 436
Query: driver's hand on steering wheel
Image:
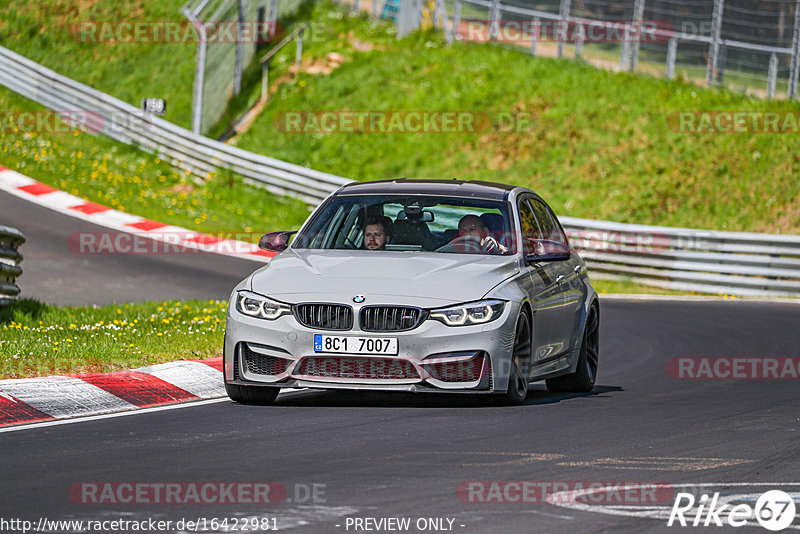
490 244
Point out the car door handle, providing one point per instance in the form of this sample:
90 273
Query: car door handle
578 268
559 278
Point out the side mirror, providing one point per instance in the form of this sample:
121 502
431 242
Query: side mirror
547 251
275 241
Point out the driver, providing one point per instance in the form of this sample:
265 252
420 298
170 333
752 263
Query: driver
472 228
377 233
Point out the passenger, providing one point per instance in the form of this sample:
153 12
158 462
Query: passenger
471 228
377 233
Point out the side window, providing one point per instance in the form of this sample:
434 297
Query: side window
551 231
530 228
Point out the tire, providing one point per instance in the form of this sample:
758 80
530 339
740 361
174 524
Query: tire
520 360
582 380
251 394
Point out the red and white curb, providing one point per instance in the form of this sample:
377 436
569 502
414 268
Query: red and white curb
33 400
29 189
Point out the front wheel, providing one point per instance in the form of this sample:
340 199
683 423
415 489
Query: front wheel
582 380
251 394
520 358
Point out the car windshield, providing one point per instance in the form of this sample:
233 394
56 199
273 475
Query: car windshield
411 223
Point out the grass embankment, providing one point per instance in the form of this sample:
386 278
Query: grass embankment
37 339
599 144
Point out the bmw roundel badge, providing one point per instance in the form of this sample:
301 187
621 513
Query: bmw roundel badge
358 299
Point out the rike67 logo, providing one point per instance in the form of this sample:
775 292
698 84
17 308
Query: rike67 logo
773 510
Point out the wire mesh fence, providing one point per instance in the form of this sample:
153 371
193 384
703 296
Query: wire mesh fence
230 32
750 45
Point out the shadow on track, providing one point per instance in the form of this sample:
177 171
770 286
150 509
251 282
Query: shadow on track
389 399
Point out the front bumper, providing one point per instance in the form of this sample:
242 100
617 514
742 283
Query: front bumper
431 358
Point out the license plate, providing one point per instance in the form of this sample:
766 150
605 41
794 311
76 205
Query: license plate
355 345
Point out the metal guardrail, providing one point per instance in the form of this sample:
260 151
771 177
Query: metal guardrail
199 155
10 258
732 263
693 260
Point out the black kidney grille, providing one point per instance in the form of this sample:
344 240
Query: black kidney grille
390 318
325 316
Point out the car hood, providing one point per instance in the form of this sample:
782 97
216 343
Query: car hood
425 279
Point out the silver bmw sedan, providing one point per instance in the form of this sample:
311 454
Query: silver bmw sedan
416 285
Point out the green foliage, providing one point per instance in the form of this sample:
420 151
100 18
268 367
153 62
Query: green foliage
38 339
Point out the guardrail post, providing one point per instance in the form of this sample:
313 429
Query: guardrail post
563 15
772 76
713 49
638 17
672 53
536 34
795 61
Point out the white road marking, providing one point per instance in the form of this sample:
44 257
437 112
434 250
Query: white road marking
189 404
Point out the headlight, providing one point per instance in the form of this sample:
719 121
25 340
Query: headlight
256 305
471 313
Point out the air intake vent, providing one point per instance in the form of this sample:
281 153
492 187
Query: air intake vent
262 364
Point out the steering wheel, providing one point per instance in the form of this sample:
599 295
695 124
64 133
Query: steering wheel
465 243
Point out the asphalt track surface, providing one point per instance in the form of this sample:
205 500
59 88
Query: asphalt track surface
52 273
397 455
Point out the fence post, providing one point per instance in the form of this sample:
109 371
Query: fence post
273 18
672 53
624 54
713 49
494 22
264 81
537 32
638 17
563 15
199 72
457 19
237 70
795 61
356 6
298 58
772 76
374 8
579 42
